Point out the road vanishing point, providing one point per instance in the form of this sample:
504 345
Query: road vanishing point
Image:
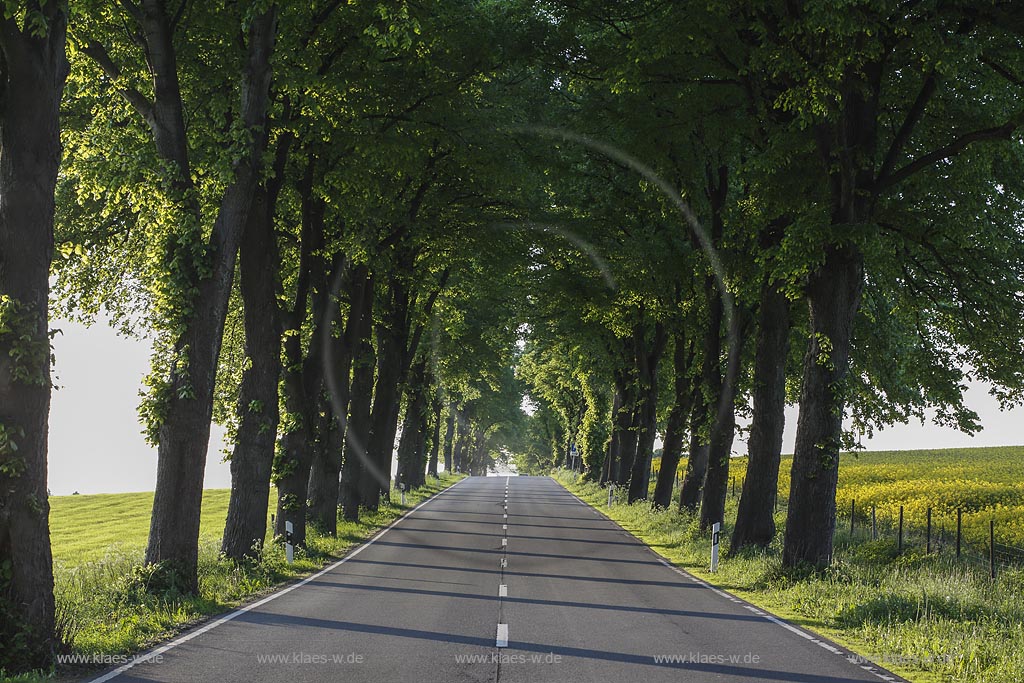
500 579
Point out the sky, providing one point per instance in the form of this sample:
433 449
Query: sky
96 442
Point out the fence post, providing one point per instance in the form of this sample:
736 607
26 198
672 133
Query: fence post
733 487
900 546
959 529
874 525
992 547
715 536
928 533
289 548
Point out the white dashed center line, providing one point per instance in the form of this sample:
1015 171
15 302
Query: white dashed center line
502 638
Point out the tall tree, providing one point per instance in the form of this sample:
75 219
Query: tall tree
198 270
33 69
258 411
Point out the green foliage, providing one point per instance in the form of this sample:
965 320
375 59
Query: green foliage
21 337
31 16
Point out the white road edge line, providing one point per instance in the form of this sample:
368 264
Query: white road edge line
503 591
259 603
504 541
502 638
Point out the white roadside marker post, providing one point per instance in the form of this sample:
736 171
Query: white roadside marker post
611 493
289 549
715 534
402 488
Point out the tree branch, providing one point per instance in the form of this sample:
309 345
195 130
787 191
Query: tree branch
132 9
1002 70
1003 132
914 116
136 99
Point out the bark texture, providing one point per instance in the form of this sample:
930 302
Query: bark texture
357 429
704 411
848 150
449 438
755 520
435 436
184 433
32 75
833 296
716 481
325 472
648 358
675 430
258 413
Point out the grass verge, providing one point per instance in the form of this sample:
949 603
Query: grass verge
103 604
925 617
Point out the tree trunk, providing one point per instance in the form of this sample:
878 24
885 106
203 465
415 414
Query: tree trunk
648 360
833 295
610 459
324 486
711 390
622 448
414 427
630 439
304 373
478 456
383 421
449 438
462 441
697 460
357 430
32 75
184 432
292 467
435 437
755 520
848 149
258 411
676 429
723 430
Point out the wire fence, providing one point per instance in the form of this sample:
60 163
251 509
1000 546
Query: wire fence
972 537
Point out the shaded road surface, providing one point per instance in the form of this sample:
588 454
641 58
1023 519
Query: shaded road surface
501 579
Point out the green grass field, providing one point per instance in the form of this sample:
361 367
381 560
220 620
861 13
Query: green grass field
928 617
85 528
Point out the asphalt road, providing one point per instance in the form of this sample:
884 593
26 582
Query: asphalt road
501 579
